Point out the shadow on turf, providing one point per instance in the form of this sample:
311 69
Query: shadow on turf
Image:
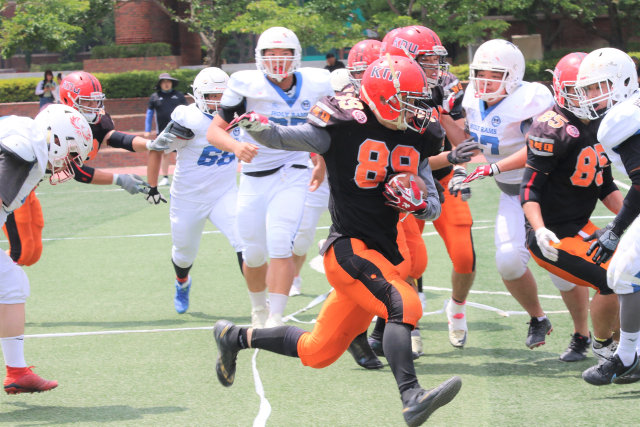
160 323
635 394
53 415
426 326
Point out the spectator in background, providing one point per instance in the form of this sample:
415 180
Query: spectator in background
332 63
45 89
56 92
162 103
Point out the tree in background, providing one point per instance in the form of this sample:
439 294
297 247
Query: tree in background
48 24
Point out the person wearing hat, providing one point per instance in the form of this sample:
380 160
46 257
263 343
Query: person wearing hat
162 103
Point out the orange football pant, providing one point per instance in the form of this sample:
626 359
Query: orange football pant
365 285
24 231
415 245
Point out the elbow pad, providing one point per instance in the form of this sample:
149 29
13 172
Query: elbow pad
121 140
531 187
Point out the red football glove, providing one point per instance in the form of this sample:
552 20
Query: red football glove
482 172
252 122
406 199
448 102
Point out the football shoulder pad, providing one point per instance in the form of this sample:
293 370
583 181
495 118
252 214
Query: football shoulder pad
536 99
317 81
331 110
620 123
190 117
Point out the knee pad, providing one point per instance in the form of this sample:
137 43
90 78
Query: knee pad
562 284
464 259
279 243
302 244
254 256
510 262
409 310
14 284
182 257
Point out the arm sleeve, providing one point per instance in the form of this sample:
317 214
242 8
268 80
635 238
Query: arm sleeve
433 200
148 121
630 153
83 174
294 138
608 186
229 113
13 173
531 186
40 88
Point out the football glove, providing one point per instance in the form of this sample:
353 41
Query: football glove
448 102
544 237
457 184
251 122
606 241
440 189
406 199
133 184
463 152
154 197
168 136
483 171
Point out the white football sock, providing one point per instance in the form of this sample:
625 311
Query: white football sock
258 299
627 346
13 351
278 302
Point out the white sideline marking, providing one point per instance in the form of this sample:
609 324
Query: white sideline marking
622 184
265 406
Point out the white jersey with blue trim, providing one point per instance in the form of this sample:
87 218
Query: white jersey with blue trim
619 124
501 128
26 127
203 172
263 96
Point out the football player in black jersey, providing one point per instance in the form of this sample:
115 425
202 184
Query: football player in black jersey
363 141
83 92
567 172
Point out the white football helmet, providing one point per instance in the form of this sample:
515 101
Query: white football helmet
66 132
278 38
209 80
340 78
499 56
615 74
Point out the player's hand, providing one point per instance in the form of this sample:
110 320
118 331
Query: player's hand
251 122
482 172
154 197
133 184
406 199
146 135
162 142
448 102
463 152
245 151
606 242
440 189
544 237
457 184
317 177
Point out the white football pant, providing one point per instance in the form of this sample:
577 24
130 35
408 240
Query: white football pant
512 254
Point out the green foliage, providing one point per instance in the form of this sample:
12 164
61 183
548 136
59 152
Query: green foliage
461 71
62 66
535 71
131 51
19 90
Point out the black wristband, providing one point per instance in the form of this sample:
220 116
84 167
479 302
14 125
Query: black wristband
121 140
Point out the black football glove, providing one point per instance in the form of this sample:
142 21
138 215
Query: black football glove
440 189
463 152
155 197
606 241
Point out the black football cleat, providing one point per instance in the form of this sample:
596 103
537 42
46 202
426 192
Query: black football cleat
577 350
610 371
376 346
226 336
538 330
419 404
363 354
627 379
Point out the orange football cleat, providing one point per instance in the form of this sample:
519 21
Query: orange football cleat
23 380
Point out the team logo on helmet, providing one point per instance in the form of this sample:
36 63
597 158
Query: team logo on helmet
495 121
412 48
70 86
573 131
359 115
306 105
383 73
81 129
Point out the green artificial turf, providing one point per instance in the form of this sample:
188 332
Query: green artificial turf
89 283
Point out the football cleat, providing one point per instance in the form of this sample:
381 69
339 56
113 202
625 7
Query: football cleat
416 344
163 182
538 330
259 316
226 336
457 324
604 352
610 370
274 321
362 353
23 380
181 300
578 348
418 404
296 287
376 346
628 379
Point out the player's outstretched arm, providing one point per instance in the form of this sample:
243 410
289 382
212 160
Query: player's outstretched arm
434 208
219 138
517 160
289 138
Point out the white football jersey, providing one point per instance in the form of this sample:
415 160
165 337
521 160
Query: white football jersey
203 172
500 128
618 125
24 126
264 97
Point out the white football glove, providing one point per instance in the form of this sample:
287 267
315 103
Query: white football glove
154 197
544 236
457 184
133 184
168 136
